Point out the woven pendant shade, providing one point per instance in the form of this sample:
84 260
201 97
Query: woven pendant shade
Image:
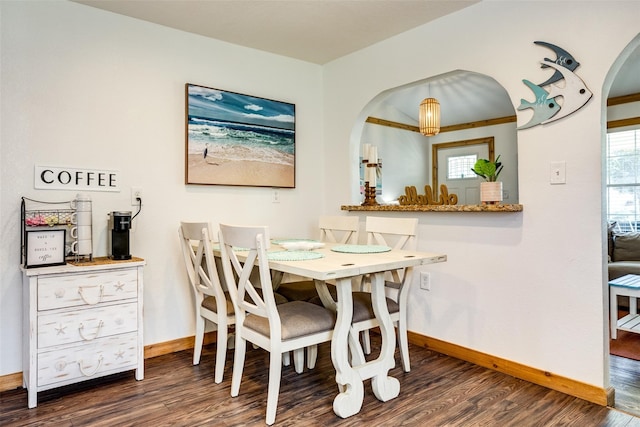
429 117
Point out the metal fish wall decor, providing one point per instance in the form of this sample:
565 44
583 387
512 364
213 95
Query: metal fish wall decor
572 90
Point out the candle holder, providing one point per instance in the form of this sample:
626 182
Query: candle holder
369 195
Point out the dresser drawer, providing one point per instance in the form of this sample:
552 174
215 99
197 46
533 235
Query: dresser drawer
101 357
86 325
73 290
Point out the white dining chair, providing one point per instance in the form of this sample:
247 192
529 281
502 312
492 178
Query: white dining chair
211 302
291 326
333 229
398 233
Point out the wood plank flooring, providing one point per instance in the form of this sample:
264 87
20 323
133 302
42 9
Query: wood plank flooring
624 375
439 391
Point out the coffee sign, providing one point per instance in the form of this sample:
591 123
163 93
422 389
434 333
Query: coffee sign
44 248
57 178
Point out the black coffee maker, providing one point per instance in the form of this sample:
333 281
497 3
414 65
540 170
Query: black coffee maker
119 224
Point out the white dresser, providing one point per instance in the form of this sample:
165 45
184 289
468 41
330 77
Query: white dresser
81 322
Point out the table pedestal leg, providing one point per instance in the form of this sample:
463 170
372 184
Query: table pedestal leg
351 387
350 376
384 387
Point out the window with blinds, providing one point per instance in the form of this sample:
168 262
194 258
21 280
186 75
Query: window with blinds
459 167
623 179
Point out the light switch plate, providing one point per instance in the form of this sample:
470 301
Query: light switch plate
558 173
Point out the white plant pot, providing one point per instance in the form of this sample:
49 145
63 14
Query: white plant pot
491 192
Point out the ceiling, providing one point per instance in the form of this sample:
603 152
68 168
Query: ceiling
320 31
316 31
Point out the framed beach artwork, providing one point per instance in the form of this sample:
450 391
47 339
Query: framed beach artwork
236 139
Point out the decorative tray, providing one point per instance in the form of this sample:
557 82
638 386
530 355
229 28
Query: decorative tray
301 246
361 249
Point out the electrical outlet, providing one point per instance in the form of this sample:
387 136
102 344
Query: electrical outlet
136 192
275 196
425 280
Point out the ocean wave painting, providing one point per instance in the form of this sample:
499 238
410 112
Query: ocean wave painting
235 139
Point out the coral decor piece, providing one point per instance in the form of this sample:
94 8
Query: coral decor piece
574 92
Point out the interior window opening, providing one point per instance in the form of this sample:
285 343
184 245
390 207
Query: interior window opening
459 167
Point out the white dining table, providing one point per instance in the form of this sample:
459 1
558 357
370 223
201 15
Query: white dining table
340 268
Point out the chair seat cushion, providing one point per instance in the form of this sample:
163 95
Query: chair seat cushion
332 290
209 302
363 310
298 291
279 299
297 318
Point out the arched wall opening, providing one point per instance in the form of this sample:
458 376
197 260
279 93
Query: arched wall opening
473 106
615 87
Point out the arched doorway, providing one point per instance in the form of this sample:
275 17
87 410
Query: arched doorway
621 115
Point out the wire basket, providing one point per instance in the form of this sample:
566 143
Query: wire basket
41 215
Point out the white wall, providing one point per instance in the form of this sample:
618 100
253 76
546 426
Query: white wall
91 89
80 86
527 287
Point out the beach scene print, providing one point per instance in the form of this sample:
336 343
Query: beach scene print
235 139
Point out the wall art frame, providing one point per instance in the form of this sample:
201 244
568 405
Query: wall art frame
239 140
45 248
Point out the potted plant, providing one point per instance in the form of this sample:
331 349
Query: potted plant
491 189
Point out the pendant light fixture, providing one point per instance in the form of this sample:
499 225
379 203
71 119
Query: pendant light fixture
429 117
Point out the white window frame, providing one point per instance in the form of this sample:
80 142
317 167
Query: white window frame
627 218
465 168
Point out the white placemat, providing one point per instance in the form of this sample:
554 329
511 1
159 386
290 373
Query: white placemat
280 241
294 255
361 249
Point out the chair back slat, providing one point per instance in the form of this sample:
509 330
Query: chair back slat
258 320
339 229
202 272
254 242
398 233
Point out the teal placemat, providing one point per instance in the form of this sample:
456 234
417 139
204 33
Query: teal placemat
361 249
293 255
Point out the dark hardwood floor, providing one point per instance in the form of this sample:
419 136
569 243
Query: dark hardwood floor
625 378
439 391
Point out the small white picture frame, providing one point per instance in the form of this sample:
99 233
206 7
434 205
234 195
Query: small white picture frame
45 248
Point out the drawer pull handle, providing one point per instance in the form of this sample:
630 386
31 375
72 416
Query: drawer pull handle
81 292
81 328
94 371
